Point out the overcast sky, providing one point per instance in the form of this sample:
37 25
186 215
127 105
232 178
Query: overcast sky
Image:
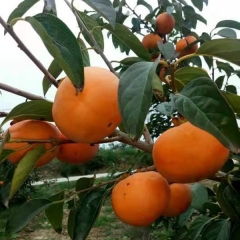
17 70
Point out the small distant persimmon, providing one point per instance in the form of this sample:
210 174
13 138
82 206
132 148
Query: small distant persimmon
165 23
183 43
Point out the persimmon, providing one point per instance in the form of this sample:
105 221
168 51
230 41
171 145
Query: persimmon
141 198
186 154
150 41
1 183
76 153
179 201
33 130
165 23
92 114
183 43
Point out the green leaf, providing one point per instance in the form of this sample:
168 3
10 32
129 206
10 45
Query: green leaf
184 217
21 9
94 28
83 183
123 34
226 67
145 4
24 214
233 100
214 208
166 108
130 60
135 96
157 85
167 49
200 196
104 8
228 166
231 89
50 7
4 153
227 33
55 71
228 24
136 27
198 4
54 212
219 81
217 230
25 167
35 109
87 213
85 55
235 233
203 105
61 44
227 49
71 222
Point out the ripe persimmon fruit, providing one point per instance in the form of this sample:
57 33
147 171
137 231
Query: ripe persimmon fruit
179 201
150 41
76 153
183 43
1 183
165 23
141 198
89 115
186 154
33 130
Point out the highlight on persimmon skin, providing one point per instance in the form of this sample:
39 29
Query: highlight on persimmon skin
187 154
150 41
34 130
141 198
76 153
179 201
165 23
183 43
90 115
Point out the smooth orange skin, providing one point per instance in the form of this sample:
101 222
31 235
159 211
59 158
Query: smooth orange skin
187 154
76 153
180 200
35 130
165 23
183 43
141 198
150 41
162 74
92 114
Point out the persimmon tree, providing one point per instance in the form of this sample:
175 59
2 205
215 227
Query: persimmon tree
159 89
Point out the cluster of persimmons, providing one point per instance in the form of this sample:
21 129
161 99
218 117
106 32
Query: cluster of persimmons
182 155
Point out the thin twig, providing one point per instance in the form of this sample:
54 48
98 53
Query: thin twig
3 114
19 92
147 135
91 38
28 53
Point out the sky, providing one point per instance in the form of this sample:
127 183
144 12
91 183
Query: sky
17 70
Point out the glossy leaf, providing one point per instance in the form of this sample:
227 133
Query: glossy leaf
123 34
35 109
61 44
54 212
217 48
130 60
87 213
93 27
219 81
203 105
25 167
85 55
229 24
21 9
104 8
83 183
227 33
217 230
55 71
24 214
135 96
231 89
200 196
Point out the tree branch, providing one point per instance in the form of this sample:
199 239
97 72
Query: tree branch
90 36
19 92
3 114
28 53
147 135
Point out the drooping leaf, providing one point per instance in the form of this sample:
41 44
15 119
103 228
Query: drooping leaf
229 24
35 109
55 71
21 9
71 222
54 212
157 86
123 34
217 230
203 105
87 212
93 27
233 100
166 108
145 4
231 89
200 196
198 4
167 49
135 96
85 55
50 7
219 81
83 183
227 33
104 8
136 27
184 217
225 66
24 214
61 44
217 48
